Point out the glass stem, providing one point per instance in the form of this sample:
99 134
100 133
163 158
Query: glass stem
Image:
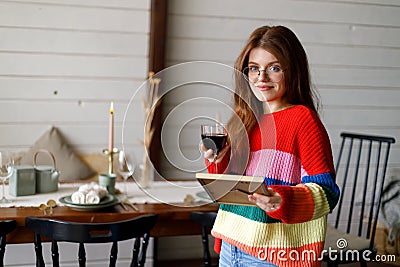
3 186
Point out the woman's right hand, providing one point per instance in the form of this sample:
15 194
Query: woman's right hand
209 154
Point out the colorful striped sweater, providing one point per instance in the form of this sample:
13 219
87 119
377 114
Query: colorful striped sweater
297 164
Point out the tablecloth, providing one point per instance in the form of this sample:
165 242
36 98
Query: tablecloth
158 192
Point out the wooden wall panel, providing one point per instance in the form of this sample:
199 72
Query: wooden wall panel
110 44
47 15
310 11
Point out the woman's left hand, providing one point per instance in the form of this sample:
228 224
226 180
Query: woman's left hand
268 203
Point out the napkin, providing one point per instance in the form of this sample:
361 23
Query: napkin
91 193
78 197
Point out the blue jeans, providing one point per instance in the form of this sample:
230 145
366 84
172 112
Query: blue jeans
231 256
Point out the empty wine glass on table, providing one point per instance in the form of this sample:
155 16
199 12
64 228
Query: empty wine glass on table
6 170
214 137
126 167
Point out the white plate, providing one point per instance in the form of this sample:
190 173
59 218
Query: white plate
106 202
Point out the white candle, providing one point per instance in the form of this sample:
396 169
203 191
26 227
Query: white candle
111 129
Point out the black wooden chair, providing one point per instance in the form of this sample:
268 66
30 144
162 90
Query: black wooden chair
5 228
206 220
360 173
74 232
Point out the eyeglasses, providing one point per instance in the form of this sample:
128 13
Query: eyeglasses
274 73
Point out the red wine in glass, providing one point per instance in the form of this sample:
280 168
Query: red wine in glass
214 141
214 137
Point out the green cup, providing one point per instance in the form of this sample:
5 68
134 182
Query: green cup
108 181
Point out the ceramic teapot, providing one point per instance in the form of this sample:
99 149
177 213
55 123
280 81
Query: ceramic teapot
46 176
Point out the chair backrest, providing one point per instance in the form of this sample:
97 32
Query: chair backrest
360 173
206 220
5 228
76 232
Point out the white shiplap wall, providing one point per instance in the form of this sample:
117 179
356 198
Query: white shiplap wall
63 61
353 49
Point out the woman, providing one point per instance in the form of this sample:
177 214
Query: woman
276 121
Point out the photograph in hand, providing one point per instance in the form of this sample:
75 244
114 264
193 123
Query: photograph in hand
232 189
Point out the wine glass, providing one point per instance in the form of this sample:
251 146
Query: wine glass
6 169
214 137
126 166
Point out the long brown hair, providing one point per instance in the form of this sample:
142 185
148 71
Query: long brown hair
286 47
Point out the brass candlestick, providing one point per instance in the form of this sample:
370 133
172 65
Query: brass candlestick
110 158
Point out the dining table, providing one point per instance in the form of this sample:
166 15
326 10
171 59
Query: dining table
172 201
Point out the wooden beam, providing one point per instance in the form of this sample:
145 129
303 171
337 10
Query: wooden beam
158 33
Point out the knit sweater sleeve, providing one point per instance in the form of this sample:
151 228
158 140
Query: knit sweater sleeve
317 194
